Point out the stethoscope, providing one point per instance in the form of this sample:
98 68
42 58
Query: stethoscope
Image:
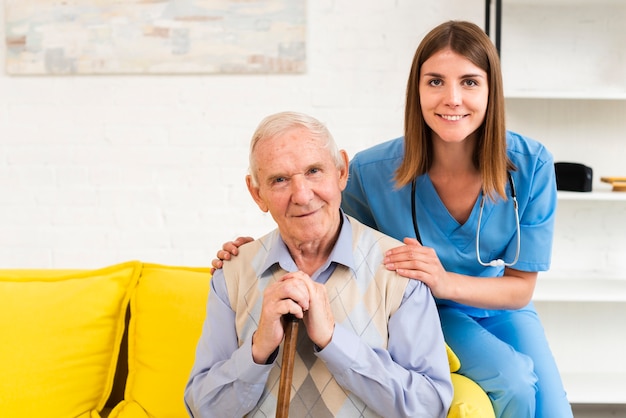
493 263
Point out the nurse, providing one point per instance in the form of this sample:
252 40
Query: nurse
475 206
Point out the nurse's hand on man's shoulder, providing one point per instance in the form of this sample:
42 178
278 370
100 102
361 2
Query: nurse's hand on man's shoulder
229 249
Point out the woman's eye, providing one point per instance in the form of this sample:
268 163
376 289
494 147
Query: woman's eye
435 82
471 83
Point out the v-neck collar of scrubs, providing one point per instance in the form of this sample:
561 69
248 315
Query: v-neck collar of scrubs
461 235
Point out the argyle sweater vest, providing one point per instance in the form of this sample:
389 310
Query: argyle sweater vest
362 301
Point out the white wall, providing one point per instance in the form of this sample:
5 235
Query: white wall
102 169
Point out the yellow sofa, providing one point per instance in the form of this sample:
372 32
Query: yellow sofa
116 342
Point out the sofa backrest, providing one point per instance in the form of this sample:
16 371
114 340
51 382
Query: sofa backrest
117 342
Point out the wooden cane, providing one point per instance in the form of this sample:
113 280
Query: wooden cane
286 371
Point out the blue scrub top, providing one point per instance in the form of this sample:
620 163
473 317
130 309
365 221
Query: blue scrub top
371 196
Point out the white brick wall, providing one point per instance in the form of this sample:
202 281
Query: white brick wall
98 170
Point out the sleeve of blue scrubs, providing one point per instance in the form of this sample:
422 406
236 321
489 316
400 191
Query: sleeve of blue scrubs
225 381
412 377
354 201
537 216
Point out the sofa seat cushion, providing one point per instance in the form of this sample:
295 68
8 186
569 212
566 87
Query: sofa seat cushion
167 308
469 400
61 332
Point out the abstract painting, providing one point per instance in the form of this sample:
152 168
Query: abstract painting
155 36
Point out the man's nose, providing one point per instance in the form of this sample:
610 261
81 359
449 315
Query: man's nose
302 193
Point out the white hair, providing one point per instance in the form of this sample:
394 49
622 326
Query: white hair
283 122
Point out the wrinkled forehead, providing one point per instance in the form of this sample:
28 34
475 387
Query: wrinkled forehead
289 140
292 150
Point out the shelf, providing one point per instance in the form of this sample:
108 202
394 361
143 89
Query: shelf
595 388
579 290
563 49
562 2
600 195
616 94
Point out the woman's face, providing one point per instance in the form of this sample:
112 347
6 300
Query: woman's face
454 94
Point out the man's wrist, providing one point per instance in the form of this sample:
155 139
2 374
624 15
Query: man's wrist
260 358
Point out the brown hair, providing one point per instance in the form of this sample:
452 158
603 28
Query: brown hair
470 41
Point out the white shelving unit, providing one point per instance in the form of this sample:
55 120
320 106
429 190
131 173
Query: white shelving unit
559 49
580 290
601 196
564 64
582 299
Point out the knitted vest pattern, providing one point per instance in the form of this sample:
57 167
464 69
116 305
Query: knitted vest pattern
361 301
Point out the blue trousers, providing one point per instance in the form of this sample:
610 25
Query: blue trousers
509 357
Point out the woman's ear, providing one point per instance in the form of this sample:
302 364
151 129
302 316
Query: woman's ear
256 194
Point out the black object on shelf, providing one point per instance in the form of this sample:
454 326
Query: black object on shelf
573 177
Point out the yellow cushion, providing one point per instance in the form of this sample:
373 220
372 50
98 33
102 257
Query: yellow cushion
167 312
61 332
469 400
453 360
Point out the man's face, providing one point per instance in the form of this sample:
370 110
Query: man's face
299 185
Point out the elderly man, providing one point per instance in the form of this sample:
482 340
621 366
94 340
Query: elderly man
371 344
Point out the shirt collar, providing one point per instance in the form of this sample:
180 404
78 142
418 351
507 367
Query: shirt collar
340 254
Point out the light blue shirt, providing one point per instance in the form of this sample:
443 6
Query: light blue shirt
372 197
410 378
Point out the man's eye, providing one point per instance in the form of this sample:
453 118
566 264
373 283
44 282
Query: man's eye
314 170
279 179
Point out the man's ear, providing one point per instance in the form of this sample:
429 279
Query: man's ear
343 172
255 193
